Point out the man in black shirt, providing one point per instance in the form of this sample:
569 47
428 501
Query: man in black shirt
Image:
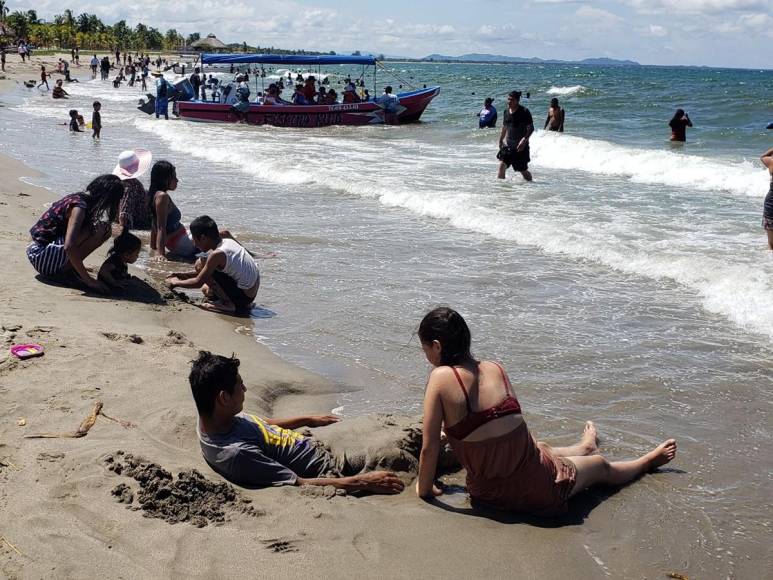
195 83
517 127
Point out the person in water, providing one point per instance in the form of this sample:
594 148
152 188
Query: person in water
555 118
229 277
96 120
517 127
163 92
679 123
255 451
474 402
76 121
59 92
43 77
167 232
487 118
767 213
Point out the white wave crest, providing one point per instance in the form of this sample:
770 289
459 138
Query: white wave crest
565 91
652 166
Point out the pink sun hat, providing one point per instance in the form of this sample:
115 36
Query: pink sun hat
132 164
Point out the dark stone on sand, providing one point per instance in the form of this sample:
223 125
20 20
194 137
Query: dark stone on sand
123 493
189 498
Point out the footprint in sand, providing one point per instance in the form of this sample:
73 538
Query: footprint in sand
279 546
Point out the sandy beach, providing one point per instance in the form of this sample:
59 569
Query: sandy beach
66 510
58 515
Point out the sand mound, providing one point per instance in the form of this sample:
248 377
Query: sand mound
189 498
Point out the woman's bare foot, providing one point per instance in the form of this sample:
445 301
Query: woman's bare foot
590 438
661 455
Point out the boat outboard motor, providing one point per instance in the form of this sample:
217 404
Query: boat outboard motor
147 106
183 91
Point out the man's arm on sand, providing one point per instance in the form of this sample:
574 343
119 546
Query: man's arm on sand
214 260
304 421
384 482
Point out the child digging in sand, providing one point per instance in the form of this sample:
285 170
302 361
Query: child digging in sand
229 278
114 271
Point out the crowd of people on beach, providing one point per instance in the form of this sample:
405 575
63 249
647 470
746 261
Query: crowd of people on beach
469 404
77 224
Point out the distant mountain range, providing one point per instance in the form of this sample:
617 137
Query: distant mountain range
474 57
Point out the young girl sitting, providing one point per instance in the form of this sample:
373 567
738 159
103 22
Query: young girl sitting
115 272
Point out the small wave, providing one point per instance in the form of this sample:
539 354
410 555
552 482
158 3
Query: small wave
649 166
566 91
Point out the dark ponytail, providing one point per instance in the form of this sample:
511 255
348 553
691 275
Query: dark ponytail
103 198
449 328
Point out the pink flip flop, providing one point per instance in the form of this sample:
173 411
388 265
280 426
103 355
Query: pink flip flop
23 351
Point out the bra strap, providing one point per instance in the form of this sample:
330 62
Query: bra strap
505 380
461 384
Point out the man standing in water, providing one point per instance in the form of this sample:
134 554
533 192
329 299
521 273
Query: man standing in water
517 127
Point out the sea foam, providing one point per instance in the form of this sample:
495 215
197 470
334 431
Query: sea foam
652 166
566 91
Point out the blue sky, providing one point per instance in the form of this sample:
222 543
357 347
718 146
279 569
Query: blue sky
698 32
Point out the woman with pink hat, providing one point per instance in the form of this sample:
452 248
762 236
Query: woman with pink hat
134 212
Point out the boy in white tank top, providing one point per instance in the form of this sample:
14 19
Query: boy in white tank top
228 277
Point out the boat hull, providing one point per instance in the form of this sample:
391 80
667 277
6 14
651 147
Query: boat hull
411 107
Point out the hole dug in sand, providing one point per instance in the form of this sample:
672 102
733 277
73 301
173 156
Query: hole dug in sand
189 498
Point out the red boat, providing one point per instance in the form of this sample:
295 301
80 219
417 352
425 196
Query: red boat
410 108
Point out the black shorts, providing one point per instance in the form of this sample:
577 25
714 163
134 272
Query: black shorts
232 290
518 160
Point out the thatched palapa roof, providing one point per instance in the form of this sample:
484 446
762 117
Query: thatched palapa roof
209 43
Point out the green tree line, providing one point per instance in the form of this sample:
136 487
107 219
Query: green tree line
87 31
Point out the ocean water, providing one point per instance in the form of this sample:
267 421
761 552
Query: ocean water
629 283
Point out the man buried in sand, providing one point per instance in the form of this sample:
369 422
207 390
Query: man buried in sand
252 451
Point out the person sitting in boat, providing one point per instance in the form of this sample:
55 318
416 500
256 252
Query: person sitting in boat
310 89
270 97
321 96
242 104
332 97
365 95
350 96
298 97
388 101
243 90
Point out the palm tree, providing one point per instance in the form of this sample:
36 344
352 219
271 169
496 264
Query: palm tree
3 11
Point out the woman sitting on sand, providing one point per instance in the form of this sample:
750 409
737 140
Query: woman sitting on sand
72 228
167 231
506 467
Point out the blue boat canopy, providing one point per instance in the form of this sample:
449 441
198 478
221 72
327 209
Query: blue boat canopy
289 59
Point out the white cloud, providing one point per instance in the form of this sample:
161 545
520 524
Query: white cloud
656 31
598 16
700 6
